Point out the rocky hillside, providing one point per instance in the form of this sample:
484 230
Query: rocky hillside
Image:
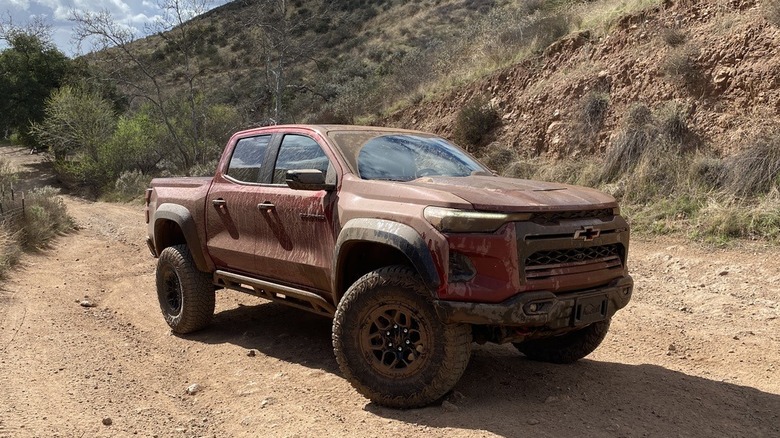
716 62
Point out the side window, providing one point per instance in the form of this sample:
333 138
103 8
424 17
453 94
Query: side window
248 158
301 152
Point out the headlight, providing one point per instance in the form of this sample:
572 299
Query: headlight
448 220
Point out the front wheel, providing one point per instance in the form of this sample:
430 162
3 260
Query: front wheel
390 343
566 348
186 295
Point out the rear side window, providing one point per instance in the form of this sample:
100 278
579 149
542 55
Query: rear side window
248 158
300 152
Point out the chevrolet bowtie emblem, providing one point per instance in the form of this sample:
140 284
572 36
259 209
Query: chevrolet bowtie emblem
587 234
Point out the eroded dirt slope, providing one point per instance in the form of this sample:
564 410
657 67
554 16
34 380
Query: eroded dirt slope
731 58
697 353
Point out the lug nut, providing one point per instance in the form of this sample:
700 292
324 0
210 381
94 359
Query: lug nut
399 348
407 342
532 307
388 333
406 330
390 344
395 326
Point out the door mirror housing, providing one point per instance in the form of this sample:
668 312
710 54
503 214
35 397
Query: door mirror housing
307 179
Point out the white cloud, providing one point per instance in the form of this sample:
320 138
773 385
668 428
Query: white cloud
135 15
20 4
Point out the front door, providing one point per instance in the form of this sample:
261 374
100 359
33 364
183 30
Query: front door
296 240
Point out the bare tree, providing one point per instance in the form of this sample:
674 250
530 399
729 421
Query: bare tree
37 27
284 40
145 79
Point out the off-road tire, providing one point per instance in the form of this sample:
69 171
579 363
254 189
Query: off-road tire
186 294
434 354
566 348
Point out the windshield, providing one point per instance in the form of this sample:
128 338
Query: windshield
404 157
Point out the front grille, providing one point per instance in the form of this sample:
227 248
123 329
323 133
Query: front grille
562 270
558 216
573 255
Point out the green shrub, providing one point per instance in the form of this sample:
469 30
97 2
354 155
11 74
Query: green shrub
475 120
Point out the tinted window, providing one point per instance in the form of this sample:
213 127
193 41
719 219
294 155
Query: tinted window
299 152
248 158
404 157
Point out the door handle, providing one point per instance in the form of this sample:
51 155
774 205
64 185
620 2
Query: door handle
219 202
265 206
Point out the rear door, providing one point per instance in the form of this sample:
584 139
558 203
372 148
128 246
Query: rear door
231 206
297 237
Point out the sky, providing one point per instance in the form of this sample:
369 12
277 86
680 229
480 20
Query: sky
134 14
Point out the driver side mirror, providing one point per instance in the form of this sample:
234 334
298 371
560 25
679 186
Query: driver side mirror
307 179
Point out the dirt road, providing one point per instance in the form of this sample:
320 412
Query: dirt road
696 353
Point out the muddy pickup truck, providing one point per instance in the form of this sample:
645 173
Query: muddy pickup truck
410 245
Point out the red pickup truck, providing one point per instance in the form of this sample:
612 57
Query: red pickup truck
414 248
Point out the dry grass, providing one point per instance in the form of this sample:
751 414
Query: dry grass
674 37
680 67
771 10
10 250
474 121
721 220
637 135
45 218
756 169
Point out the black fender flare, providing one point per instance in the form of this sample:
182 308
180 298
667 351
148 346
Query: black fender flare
183 218
393 234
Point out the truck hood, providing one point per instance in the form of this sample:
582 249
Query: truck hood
490 193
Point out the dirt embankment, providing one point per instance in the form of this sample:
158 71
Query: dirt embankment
696 353
723 80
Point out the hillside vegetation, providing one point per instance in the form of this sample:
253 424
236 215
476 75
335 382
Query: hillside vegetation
673 107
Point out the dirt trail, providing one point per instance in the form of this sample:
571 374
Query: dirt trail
697 353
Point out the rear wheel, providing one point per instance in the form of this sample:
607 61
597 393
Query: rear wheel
568 347
186 295
390 343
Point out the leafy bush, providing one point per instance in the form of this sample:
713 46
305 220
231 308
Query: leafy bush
76 122
477 118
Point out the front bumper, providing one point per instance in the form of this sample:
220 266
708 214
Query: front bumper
543 309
